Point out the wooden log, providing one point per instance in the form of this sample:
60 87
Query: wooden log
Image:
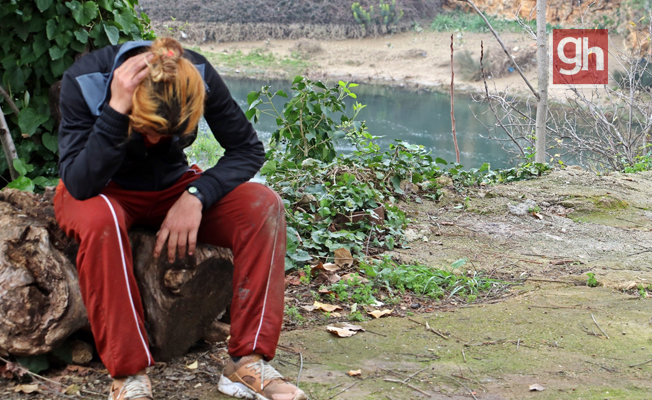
41 303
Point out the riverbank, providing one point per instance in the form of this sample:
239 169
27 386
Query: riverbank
419 60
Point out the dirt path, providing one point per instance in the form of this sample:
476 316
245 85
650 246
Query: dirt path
543 332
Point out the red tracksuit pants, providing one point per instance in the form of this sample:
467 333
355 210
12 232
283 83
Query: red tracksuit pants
250 220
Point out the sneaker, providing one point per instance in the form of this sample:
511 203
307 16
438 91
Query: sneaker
134 387
254 379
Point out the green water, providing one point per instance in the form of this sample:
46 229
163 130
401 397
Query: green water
414 116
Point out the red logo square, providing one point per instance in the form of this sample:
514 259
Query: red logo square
580 57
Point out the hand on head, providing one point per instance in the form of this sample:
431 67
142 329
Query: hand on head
125 80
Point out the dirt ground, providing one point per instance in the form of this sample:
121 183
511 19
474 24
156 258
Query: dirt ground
548 329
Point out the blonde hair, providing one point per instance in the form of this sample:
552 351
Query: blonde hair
170 100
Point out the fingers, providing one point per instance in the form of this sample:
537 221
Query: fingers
183 238
192 242
161 237
172 246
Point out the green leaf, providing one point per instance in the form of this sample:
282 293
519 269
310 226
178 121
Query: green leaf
83 13
281 93
56 52
251 97
112 33
125 19
250 113
34 364
19 166
40 45
81 35
300 256
106 4
43 5
50 142
459 263
268 168
51 29
441 161
29 120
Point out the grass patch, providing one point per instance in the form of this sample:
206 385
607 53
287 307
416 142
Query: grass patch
472 22
256 60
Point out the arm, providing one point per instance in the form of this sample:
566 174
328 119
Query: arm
91 150
244 152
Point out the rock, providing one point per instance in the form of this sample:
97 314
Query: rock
522 208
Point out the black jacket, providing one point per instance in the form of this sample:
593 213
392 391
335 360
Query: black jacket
94 148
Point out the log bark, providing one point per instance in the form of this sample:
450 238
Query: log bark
41 304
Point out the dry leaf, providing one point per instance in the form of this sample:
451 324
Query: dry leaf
343 257
353 276
536 214
334 278
72 390
536 388
27 389
330 267
336 315
16 369
193 365
309 308
357 372
352 327
341 332
326 307
378 313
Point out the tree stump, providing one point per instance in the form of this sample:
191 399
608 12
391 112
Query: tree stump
41 303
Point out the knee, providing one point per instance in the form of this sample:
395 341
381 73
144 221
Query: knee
102 221
264 199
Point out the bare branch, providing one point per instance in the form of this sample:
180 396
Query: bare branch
486 21
457 149
9 101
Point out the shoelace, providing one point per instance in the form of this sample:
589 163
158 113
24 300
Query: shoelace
134 387
266 371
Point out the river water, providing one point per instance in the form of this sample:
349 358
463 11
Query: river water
417 117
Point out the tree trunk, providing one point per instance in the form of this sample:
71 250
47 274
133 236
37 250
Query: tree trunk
41 302
542 75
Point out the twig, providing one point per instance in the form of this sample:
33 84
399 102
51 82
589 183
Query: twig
509 56
463 355
8 145
415 374
300 369
375 333
457 149
518 344
596 324
411 386
643 363
342 391
471 392
436 332
10 101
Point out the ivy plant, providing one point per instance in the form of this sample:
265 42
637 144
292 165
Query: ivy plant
39 40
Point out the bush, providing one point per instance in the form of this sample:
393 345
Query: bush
382 19
39 40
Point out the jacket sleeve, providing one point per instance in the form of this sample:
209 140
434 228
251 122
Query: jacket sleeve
90 149
244 152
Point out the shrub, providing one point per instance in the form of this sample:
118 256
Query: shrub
39 40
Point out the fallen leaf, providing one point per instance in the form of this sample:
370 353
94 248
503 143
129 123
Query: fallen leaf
378 313
16 369
336 315
354 276
334 278
324 290
326 307
536 388
352 327
293 280
193 365
27 389
330 267
357 372
72 390
309 308
343 257
536 214
341 332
